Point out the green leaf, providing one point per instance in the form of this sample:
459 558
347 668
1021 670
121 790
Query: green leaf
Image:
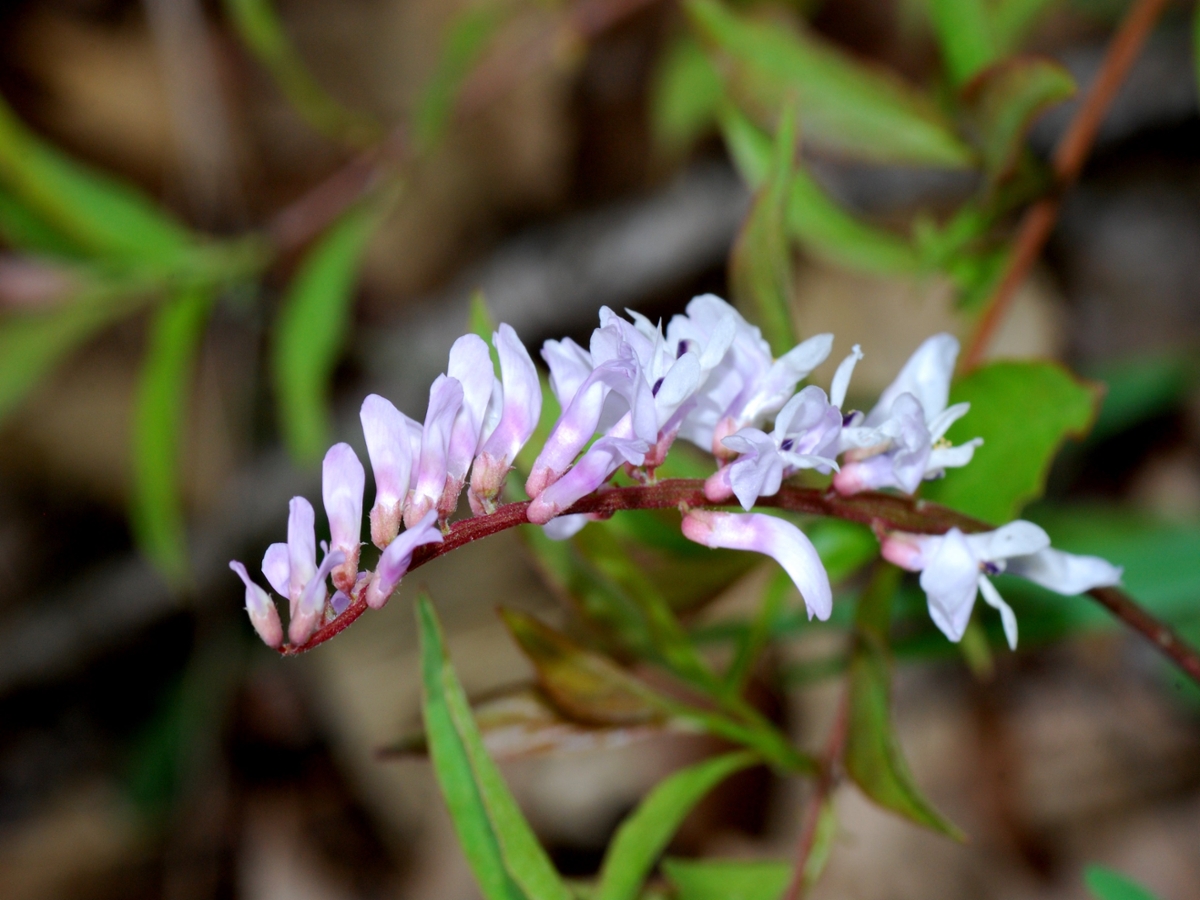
1006 99
32 344
311 329
760 268
813 218
822 845
844 106
160 410
92 211
23 229
769 608
260 29
964 33
1013 19
1023 411
1107 884
873 756
505 856
466 40
1139 388
684 96
844 547
727 879
645 834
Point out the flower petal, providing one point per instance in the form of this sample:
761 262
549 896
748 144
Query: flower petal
950 581
471 364
841 378
302 546
1065 573
396 559
926 376
275 567
445 398
1019 538
565 527
342 481
1007 617
261 609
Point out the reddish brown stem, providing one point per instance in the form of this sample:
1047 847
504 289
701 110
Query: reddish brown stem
830 773
880 511
1069 156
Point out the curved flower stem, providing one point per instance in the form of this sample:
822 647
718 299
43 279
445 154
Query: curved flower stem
880 511
1069 156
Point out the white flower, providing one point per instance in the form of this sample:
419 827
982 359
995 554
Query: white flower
955 566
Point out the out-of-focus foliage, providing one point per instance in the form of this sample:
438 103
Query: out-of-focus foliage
1105 884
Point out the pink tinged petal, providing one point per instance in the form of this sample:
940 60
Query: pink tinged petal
445 399
310 609
275 567
569 365
471 364
342 481
779 539
717 487
926 376
565 527
1008 618
911 443
1019 538
950 581
865 475
908 551
758 470
389 445
396 559
594 468
261 609
1065 573
841 378
302 547
773 390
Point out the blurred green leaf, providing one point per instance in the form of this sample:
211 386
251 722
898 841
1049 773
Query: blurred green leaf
1006 99
769 607
1107 884
1140 388
160 411
844 106
467 37
822 846
645 834
760 268
1023 411
260 29
311 329
93 211
821 226
844 547
727 879
684 96
505 856
32 344
873 756
480 322
23 229
964 33
1013 19
584 685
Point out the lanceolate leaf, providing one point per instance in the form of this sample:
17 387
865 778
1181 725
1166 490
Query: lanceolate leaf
684 97
844 106
1006 99
1106 884
727 879
1023 411
873 757
1012 20
964 32
311 329
645 834
503 852
92 211
761 264
160 412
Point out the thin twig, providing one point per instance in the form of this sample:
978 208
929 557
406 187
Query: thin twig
880 511
1069 156
830 775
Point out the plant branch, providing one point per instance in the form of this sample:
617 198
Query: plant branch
881 511
830 774
1069 156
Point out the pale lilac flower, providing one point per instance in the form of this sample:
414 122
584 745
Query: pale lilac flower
310 608
396 559
522 408
565 527
955 566
261 609
342 482
570 365
471 364
594 468
774 537
805 437
748 385
901 441
389 444
429 481
289 567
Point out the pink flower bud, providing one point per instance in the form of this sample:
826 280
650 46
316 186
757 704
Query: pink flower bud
342 480
261 609
389 445
396 559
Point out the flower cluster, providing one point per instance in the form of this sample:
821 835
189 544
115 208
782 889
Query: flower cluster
709 379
